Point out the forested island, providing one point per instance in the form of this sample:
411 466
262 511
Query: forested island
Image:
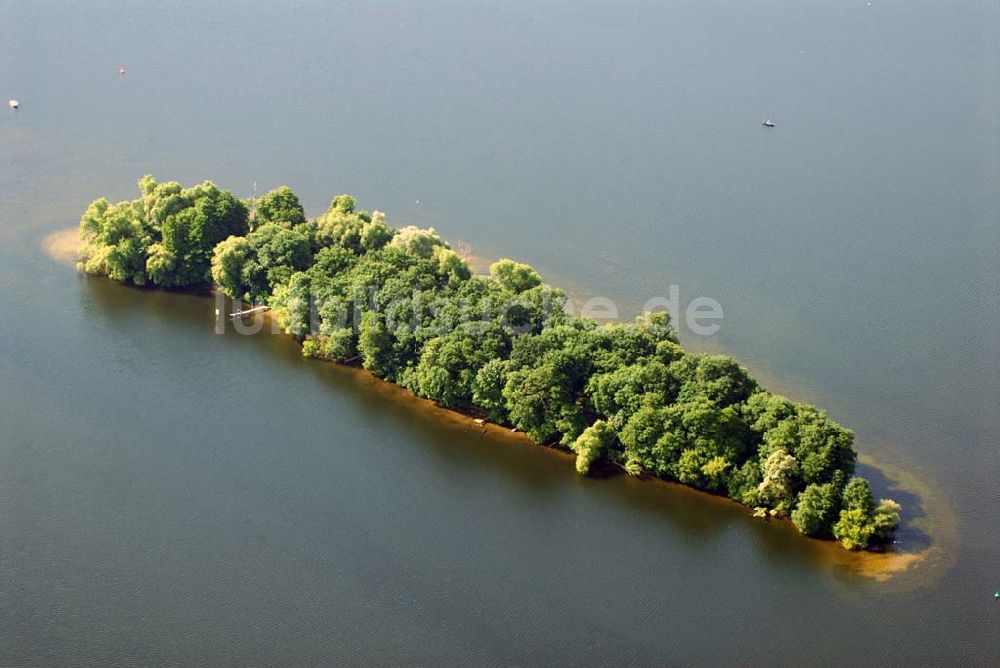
408 308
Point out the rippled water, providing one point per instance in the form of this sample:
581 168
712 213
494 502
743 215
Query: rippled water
173 496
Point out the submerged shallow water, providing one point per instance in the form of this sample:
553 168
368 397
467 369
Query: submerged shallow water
173 495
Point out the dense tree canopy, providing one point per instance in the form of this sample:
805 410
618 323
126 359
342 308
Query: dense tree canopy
166 237
408 308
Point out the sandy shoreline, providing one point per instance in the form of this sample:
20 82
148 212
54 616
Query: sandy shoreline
63 246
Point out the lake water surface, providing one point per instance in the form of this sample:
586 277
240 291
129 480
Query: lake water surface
169 495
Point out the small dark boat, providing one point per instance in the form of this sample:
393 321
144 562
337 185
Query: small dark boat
768 123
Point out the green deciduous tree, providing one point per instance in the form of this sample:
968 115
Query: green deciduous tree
375 234
857 495
280 206
375 345
421 243
591 445
620 393
230 270
514 276
717 378
449 364
116 241
861 520
487 389
854 529
781 478
539 402
885 519
816 508
452 268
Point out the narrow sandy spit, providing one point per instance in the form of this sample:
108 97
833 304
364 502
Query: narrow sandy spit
63 246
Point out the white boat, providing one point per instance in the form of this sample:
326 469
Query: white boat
768 123
13 104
